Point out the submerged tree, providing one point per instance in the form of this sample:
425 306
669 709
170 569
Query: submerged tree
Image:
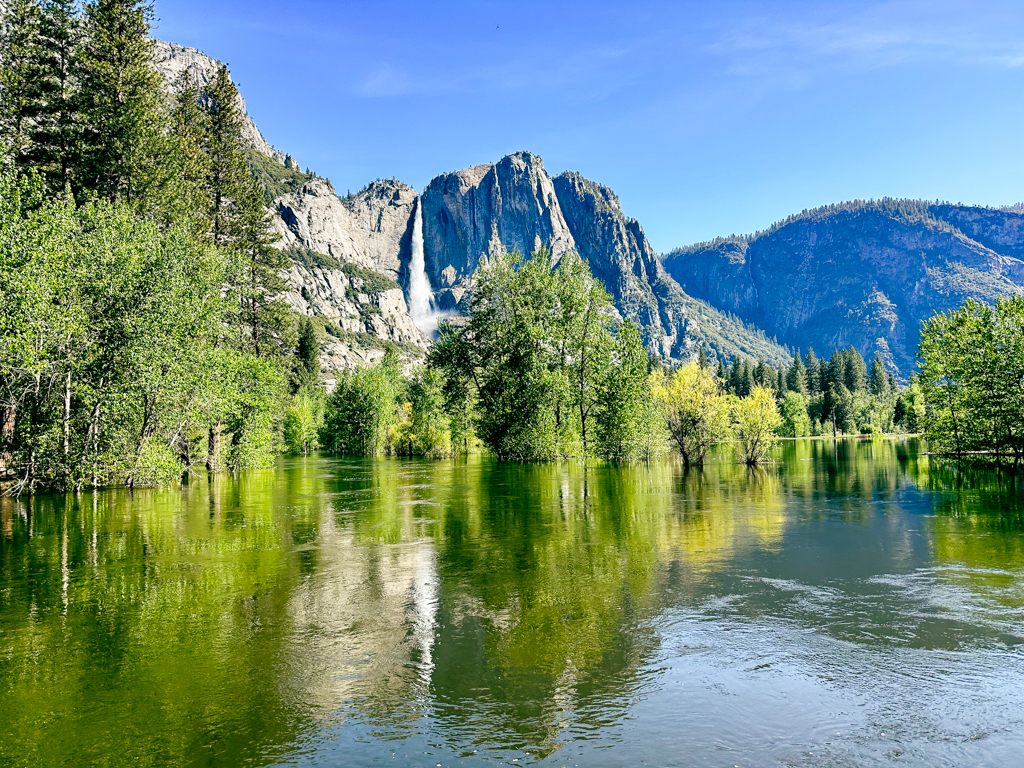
757 419
362 410
533 355
623 416
696 410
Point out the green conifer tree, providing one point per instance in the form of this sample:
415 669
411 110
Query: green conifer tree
796 377
20 29
119 101
55 132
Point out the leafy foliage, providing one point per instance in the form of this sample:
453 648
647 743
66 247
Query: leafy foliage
972 378
696 409
143 330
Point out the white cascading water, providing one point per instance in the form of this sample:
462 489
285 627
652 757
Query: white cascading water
421 296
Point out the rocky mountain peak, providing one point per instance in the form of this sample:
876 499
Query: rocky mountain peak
173 61
351 255
602 197
468 215
384 190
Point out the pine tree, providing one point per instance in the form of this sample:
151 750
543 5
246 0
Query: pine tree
19 77
119 101
735 382
796 377
263 316
184 194
307 354
227 170
748 382
855 374
879 381
703 357
55 130
813 373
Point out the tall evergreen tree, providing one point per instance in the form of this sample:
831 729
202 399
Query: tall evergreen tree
227 170
20 30
796 377
748 381
119 101
55 139
735 380
704 359
307 355
184 193
879 380
813 372
855 372
263 315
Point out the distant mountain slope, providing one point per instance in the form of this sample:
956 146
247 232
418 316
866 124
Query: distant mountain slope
862 273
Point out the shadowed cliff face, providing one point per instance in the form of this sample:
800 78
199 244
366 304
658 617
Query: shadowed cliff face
862 274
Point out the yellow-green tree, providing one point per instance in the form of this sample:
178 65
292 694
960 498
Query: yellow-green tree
756 420
696 409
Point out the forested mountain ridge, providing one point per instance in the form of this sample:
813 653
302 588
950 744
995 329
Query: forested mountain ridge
864 273
468 215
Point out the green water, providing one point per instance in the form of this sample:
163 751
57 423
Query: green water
847 606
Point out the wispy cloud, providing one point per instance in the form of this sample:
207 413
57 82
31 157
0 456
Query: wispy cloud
521 71
872 36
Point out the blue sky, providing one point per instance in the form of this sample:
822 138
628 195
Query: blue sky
706 118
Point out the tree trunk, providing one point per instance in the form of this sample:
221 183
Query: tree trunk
213 449
67 415
33 422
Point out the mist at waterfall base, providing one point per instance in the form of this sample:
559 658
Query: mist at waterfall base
420 294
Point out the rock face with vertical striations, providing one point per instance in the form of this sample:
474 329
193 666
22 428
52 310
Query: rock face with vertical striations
514 205
864 274
487 209
347 264
370 228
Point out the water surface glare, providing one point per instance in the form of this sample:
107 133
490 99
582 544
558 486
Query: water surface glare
850 605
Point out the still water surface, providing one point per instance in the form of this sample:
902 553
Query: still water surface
847 606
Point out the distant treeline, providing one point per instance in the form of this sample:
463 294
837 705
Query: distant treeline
908 210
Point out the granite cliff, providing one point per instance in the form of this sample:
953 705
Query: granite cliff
515 204
863 274
350 257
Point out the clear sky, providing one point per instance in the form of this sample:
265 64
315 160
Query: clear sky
706 118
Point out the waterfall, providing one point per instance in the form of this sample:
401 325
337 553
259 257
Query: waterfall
421 297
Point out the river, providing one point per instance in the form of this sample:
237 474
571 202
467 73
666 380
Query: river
849 605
